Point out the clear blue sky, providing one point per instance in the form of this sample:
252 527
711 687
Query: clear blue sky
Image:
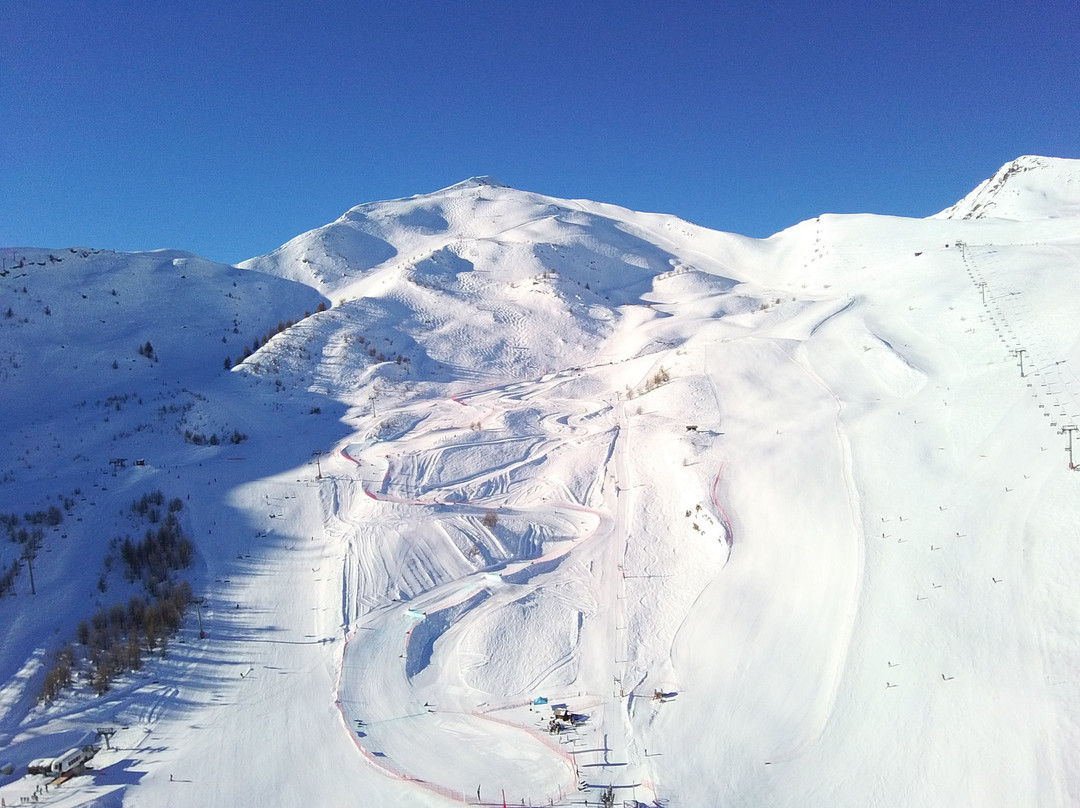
227 127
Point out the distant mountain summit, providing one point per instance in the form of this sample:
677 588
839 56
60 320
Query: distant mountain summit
467 272
479 182
1025 189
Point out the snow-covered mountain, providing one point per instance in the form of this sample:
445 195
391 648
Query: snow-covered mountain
465 279
1027 188
752 521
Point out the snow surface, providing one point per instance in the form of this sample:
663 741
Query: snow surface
1029 187
780 520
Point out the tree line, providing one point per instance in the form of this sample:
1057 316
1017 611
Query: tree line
114 640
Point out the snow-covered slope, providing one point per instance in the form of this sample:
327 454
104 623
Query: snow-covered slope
778 522
461 281
1027 188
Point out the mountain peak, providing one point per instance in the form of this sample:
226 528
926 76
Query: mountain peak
1027 188
481 181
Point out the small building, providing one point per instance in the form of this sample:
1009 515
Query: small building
40 766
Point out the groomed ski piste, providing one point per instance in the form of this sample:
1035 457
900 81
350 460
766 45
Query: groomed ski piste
560 503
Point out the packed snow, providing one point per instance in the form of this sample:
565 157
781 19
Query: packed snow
497 498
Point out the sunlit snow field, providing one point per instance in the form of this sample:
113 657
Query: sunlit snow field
778 522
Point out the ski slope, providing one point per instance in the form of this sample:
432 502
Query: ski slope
779 522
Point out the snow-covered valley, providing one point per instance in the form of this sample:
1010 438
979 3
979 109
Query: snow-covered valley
496 498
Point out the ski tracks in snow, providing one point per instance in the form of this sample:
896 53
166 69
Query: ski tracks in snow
376 687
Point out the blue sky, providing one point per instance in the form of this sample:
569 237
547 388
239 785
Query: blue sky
227 128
